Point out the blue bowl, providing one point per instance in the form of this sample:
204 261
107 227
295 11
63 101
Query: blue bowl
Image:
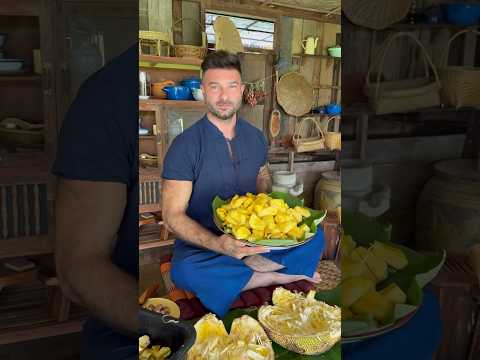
178 92
333 109
462 14
191 83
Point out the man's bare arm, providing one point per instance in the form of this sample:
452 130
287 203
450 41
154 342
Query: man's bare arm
88 215
175 197
264 181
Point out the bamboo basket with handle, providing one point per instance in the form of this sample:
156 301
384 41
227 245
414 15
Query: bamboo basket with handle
406 95
303 143
461 84
190 51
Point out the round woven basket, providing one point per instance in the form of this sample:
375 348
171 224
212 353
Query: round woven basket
376 14
300 344
295 94
330 275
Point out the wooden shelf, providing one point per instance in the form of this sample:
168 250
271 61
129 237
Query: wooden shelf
168 62
26 78
146 137
314 56
175 103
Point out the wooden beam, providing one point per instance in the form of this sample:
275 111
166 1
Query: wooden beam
258 9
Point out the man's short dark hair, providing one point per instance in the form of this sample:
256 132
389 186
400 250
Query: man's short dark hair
222 60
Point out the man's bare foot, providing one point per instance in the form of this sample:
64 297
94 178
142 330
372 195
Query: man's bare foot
261 279
260 263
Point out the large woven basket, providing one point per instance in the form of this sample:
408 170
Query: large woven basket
461 84
376 14
295 94
300 344
405 95
190 51
304 143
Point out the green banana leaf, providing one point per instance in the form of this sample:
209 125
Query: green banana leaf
421 269
316 217
281 353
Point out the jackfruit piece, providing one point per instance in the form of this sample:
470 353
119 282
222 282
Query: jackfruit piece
208 327
241 232
250 208
375 304
278 203
269 219
221 213
295 232
238 202
351 268
393 293
286 226
295 214
303 211
375 264
261 201
267 211
347 244
248 201
353 289
257 208
238 217
250 195
282 218
258 234
305 228
256 223
393 256
231 221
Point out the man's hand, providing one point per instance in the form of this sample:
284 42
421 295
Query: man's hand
238 249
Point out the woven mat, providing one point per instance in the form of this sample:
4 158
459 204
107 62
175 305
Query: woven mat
330 275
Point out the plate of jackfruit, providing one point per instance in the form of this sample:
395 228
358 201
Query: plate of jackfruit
276 220
382 282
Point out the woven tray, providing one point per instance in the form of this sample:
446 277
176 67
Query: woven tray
330 275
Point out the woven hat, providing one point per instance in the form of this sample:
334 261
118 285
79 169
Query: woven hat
376 14
295 94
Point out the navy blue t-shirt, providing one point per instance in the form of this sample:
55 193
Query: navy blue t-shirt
99 142
201 155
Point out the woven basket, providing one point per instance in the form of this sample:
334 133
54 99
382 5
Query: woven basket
461 84
300 344
402 95
190 51
376 14
295 94
310 143
330 275
333 139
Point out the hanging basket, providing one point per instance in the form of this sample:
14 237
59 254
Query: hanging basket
190 51
305 143
461 84
295 94
376 14
405 95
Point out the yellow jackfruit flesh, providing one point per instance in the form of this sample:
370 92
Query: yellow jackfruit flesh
375 304
256 223
375 264
353 289
241 232
351 268
393 256
393 293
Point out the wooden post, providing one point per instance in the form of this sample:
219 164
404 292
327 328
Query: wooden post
361 135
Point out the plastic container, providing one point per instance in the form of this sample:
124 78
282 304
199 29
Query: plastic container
333 109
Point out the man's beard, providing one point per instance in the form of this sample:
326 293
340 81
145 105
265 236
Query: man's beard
224 115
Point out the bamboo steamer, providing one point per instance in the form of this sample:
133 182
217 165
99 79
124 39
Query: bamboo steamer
328 194
448 208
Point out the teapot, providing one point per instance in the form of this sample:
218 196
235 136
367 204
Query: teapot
311 44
